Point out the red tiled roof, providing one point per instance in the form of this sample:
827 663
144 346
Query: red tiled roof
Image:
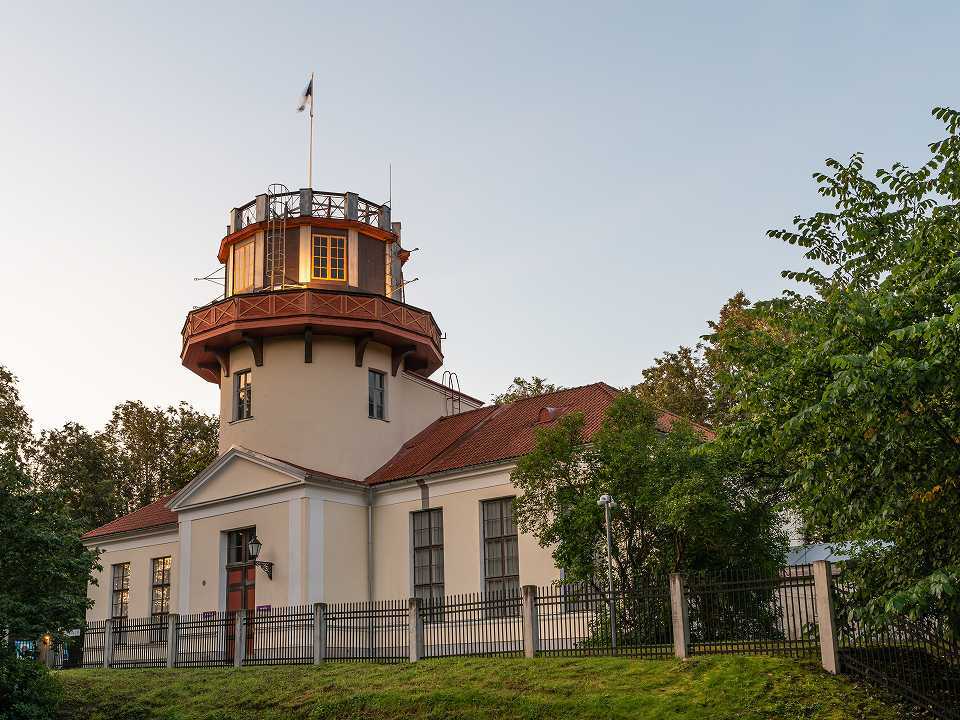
503 432
154 515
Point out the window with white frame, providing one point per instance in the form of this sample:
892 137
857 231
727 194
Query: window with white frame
377 395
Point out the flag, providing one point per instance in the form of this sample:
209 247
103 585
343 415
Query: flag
307 94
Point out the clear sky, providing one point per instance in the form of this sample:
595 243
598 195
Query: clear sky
587 182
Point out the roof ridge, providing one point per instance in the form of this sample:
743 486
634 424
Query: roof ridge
598 383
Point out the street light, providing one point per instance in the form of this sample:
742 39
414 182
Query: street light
253 550
608 503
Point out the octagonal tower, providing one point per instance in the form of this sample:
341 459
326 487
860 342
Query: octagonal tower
319 360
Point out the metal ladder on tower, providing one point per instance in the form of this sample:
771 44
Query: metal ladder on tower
275 236
451 385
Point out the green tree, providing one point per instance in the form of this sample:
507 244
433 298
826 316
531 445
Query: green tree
688 381
158 450
683 504
523 388
83 467
853 388
16 428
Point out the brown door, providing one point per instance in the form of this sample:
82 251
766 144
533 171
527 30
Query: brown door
241 578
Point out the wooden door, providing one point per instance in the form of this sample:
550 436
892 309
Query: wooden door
241 595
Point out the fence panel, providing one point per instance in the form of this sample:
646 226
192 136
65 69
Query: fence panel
473 624
139 642
753 613
205 639
280 636
94 634
372 632
917 659
575 620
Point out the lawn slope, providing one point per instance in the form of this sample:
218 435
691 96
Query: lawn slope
713 687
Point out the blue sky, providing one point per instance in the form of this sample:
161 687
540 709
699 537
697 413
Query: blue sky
587 182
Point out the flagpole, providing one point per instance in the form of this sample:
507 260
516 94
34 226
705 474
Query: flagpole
310 160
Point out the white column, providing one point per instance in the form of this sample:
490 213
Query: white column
826 617
294 552
183 591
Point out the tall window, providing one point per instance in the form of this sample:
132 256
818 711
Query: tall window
242 395
160 597
501 566
428 560
121 590
243 267
377 394
120 600
329 257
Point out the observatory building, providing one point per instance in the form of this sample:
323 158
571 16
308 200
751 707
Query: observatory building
345 473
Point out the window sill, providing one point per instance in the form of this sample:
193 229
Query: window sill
386 420
241 420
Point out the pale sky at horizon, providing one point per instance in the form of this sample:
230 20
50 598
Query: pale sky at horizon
587 184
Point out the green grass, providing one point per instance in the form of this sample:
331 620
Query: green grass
710 687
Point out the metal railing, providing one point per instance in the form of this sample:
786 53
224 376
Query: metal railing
205 639
916 659
139 642
576 620
748 612
473 624
310 203
372 631
94 636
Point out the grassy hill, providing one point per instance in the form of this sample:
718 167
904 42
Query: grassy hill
710 687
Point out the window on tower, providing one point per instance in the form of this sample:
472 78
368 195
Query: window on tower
242 395
329 257
377 395
243 267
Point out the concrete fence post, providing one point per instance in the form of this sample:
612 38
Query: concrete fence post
679 617
239 638
173 639
108 642
416 630
319 633
531 630
826 616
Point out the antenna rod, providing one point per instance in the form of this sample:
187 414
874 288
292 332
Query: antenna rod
313 91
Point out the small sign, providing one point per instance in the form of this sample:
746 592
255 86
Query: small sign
263 608
208 615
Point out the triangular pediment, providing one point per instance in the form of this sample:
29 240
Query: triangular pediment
237 473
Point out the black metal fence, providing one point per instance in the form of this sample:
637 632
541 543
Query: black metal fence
474 624
94 636
576 620
281 636
748 612
917 659
139 642
205 639
372 631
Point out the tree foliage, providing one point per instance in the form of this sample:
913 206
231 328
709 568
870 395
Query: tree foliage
852 388
682 504
689 381
16 428
523 388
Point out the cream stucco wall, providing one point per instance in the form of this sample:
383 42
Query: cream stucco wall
207 574
459 497
315 414
345 550
138 551
239 477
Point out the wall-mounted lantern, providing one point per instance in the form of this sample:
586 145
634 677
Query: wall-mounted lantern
253 550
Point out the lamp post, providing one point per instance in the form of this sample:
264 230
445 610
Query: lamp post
253 550
607 503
